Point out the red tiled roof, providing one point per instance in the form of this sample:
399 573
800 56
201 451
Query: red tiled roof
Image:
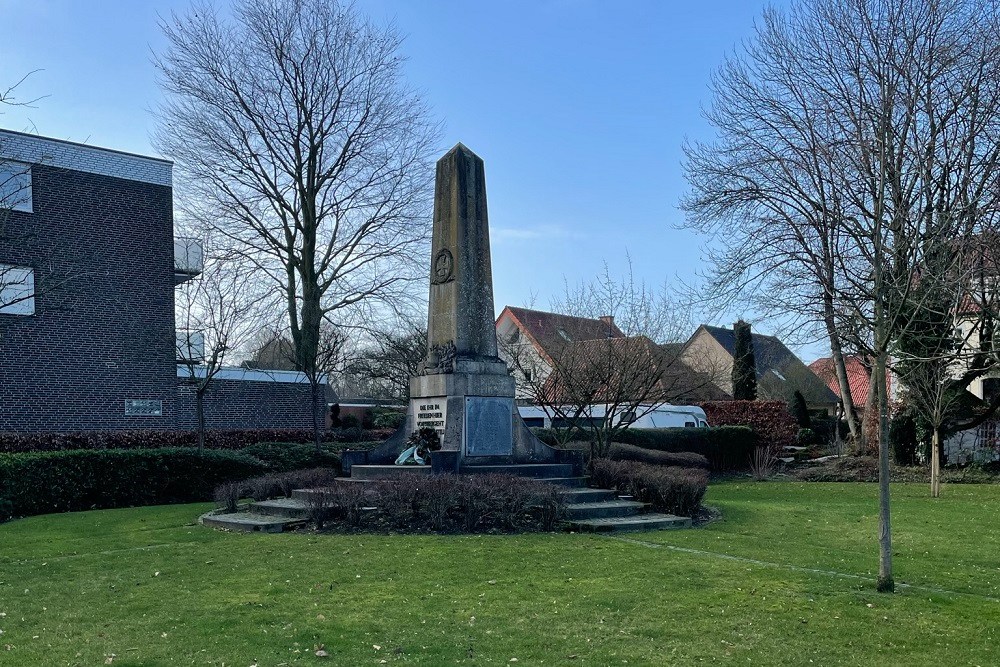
552 331
857 377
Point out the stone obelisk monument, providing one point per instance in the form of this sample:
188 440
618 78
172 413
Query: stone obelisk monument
465 391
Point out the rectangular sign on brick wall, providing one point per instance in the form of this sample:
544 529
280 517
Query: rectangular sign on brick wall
143 408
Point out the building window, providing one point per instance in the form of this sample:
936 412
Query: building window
17 290
15 186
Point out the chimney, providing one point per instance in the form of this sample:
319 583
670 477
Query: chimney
610 321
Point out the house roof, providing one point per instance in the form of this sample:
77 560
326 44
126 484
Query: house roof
857 377
553 331
636 364
779 372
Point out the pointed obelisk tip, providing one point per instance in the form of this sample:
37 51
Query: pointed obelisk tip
463 149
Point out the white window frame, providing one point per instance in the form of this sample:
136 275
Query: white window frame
15 186
17 290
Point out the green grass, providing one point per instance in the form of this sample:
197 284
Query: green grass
786 577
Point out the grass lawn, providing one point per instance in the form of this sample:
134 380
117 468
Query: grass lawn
786 577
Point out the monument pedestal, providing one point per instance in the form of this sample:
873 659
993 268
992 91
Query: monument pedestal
472 409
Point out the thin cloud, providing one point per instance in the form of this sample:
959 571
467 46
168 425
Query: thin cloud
534 233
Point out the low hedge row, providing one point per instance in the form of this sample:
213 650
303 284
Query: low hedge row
726 447
622 452
441 504
42 482
670 489
220 439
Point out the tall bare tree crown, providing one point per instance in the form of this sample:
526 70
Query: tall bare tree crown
296 138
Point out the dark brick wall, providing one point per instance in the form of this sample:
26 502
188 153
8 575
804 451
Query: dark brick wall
103 329
247 404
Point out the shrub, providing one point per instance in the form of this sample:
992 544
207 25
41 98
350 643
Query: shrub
559 437
670 489
443 504
903 438
42 482
342 500
286 456
388 418
272 485
725 447
350 422
806 437
622 452
763 463
799 410
214 439
770 420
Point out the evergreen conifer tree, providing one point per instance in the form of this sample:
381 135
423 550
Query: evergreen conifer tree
744 364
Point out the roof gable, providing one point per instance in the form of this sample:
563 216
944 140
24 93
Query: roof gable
552 331
779 372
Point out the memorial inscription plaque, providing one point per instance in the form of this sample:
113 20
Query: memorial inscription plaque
430 412
489 426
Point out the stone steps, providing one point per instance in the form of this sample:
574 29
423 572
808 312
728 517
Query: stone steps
250 522
604 509
290 508
650 521
535 470
368 472
584 495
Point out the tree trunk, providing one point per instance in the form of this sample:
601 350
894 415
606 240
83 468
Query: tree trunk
885 582
936 463
840 366
314 395
199 403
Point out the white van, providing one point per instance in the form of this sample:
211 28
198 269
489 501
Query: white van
662 416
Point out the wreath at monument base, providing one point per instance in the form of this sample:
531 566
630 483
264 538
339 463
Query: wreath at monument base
420 444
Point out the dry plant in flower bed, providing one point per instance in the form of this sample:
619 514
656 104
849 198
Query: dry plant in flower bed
227 496
441 504
668 488
764 463
622 452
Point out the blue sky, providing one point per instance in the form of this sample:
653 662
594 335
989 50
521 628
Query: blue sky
578 107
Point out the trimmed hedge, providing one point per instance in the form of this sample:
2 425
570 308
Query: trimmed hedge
725 447
622 452
770 420
43 482
221 439
670 489
288 456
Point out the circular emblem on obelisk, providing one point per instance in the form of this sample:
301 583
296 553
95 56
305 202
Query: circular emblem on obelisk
444 267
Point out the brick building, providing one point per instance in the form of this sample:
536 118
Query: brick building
88 265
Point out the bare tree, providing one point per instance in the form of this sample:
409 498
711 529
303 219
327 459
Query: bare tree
388 362
950 342
295 138
602 386
884 115
55 262
16 285
217 315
